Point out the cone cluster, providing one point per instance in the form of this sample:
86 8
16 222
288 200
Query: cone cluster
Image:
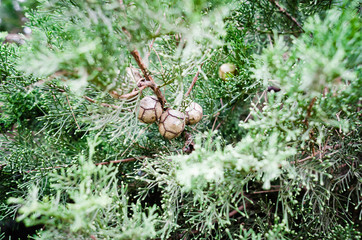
171 123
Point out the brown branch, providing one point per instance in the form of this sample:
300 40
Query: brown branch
134 75
127 33
217 127
189 143
193 81
149 78
121 161
266 191
309 111
132 94
232 213
136 55
213 125
320 153
287 14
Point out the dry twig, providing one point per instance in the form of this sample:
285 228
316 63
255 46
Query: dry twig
193 81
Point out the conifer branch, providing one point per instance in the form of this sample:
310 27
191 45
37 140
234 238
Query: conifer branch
128 95
193 81
121 160
136 55
86 98
102 104
287 14
232 213
71 109
320 153
100 163
148 77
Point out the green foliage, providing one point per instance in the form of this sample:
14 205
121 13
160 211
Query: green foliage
263 165
87 201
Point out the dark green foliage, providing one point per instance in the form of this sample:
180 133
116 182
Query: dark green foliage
12 14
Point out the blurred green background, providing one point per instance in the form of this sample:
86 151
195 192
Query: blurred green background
12 16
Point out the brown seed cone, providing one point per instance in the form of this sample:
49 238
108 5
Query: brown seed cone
172 123
150 110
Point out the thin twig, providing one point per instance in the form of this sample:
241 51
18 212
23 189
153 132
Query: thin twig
127 33
266 191
86 98
102 104
249 115
136 55
320 153
134 140
72 112
217 127
213 125
128 95
48 168
193 81
121 161
279 33
159 59
148 77
149 52
189 143
101 163
309 111
232 213
287 14
152 42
